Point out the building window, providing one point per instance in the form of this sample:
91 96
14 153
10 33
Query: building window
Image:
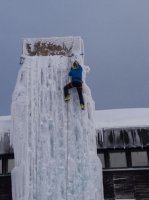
139 159
102 159
118 159
10 165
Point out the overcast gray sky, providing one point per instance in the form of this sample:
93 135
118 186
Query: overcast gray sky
116 38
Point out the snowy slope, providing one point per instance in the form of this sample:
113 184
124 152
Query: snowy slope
54 142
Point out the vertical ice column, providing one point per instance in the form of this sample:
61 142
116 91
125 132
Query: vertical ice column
54 142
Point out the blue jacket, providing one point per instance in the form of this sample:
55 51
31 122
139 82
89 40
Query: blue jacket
76 73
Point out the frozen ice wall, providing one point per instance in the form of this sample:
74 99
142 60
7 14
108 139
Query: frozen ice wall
54 142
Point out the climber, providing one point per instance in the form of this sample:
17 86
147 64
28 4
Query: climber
76 81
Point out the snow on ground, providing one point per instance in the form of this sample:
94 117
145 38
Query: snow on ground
132 117
54 142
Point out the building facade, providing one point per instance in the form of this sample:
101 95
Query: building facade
123 147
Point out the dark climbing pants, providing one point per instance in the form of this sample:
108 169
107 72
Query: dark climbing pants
78 86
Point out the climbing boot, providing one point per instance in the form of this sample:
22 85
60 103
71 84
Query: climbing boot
67 98
82 106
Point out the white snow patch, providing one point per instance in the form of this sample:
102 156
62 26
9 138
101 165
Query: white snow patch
132 117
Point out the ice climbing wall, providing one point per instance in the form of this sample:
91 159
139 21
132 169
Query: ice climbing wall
54 142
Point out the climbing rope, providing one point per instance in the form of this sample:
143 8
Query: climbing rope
67 149
70 55
69 65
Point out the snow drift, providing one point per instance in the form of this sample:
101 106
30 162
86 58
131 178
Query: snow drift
54 142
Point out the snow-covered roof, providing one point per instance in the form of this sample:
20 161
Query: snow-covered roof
117 118
52 46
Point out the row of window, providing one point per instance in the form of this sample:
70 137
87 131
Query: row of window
109 159
6 163
124 159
